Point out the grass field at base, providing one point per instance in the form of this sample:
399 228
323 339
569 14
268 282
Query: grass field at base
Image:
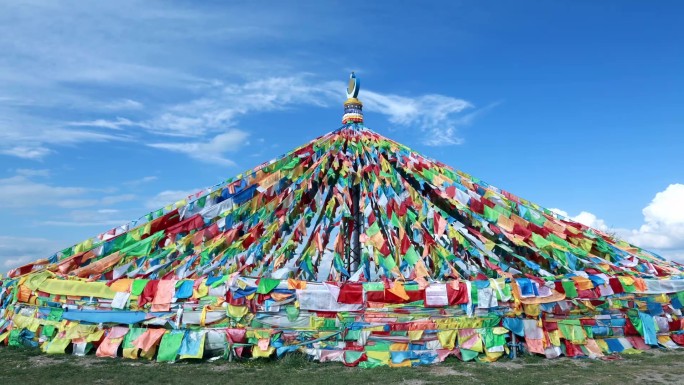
21 366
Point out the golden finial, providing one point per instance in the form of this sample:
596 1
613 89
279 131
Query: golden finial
353 106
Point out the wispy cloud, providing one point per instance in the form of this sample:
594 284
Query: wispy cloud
80 59
221 106
32 137
114 199
140 181
167 197
122 104
71 57
211 151
101 218
16 251
20 191
436 115
26 152
29 172
116 124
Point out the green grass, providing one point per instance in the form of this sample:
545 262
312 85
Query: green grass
20 366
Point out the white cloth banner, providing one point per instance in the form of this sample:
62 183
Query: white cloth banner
120 300
657 286
320 297
215 210
436 295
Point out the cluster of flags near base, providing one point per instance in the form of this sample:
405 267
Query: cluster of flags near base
264 264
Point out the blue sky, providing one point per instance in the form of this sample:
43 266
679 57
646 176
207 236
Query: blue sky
111 109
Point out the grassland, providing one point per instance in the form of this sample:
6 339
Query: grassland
20 366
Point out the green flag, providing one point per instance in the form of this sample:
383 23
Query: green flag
540 241
373 229
490 214
266 285
570 289
411 256
169 346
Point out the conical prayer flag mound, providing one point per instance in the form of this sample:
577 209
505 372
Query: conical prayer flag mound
351 248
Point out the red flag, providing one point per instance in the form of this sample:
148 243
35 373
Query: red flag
405 244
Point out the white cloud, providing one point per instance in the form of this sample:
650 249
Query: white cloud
20 192
560 212
16 251
74 203
69 60
107 211
116 124
30 137
79 61
29 172
103 218
167 197
212 151
663 228
140 181
591 220
675 255
215 112
667 207
586 218
12 262
74 62
26 152
92 223
222 104
436 115
123 104
109 200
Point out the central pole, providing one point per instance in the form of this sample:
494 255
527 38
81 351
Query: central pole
353 119
356 231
